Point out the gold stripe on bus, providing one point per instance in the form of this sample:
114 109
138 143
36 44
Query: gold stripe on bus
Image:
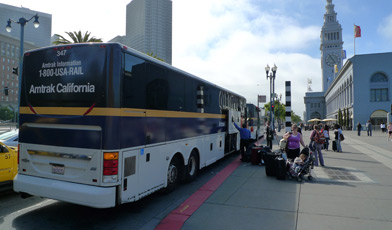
72 111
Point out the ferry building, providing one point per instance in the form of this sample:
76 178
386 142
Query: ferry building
361 89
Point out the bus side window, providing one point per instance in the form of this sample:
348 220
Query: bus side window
157 88
176 97
191 94
133 83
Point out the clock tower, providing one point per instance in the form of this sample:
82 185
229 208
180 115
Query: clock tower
331 46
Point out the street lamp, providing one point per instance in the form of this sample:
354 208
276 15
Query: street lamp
22 22
271 76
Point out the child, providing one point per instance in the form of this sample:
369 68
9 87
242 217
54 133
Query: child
298 163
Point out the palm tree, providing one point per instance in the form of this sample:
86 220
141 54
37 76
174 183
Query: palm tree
76 37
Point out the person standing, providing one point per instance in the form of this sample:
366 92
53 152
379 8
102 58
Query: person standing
269 133
382 126
245 140
390 131
326 135
315 138
294 139
369 127
359 128
338 132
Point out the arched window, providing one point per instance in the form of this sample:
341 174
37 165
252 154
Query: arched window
379 89
379 77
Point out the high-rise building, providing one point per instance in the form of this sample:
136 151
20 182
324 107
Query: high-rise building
37 36
149 27
10 47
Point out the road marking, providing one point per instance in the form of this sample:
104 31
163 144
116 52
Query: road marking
322 174
30 208
377 153
176 219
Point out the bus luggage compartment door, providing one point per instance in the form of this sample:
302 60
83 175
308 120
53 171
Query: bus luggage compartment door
129 188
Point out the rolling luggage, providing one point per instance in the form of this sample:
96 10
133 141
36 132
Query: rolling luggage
255 156
334 146
270 163
281 168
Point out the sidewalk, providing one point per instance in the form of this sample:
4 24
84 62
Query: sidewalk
353 191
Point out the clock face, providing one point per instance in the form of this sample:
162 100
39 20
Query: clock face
332 59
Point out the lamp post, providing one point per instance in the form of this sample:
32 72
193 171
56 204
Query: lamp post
22 22
271 76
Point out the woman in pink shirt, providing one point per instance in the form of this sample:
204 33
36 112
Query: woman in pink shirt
294 139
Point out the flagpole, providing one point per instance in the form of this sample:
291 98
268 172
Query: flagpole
354 39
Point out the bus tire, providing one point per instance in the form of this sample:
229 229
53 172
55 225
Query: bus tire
192 169
173 175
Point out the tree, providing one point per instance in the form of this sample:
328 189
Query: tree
76 37
279 110
295 118
154 56
340 117
6 114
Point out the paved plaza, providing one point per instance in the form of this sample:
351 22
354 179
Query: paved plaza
352 191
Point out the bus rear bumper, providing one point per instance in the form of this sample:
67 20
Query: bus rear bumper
87 195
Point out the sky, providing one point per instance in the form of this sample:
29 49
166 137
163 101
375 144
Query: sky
229 42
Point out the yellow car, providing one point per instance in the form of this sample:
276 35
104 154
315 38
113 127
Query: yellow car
8 163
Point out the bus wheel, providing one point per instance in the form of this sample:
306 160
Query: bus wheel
173 175
192 168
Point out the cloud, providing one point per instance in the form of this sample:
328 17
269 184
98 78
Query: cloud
230 42
385 28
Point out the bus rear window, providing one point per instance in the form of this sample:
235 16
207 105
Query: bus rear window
64 76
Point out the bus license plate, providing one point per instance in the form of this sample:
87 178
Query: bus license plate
58 169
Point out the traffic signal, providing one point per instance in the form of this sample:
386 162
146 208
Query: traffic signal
6 91
15 70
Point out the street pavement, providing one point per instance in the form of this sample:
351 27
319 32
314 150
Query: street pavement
352 191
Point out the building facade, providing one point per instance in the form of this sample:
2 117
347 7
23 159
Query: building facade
9 59
149 27
362 90
314 105
10 47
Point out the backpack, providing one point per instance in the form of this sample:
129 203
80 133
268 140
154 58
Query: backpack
316 136
322 138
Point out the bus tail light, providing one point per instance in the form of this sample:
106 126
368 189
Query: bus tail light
110 167
251 129
18 153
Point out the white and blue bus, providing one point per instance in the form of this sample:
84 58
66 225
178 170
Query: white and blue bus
102 124
254 121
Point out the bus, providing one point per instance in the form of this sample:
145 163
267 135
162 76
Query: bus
102 124
254 120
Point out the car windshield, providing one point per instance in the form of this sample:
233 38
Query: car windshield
8 135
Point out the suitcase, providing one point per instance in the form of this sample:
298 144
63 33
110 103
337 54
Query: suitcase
334 146
270 163
255 156
281 168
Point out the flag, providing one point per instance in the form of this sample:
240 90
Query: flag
336 68
344 55
357 31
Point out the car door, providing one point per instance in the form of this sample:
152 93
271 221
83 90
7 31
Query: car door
7 163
